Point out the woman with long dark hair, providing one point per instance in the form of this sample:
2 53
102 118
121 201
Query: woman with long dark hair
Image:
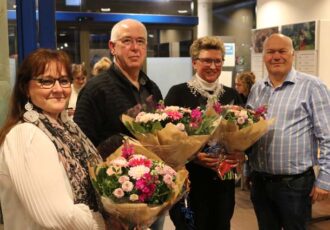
44 181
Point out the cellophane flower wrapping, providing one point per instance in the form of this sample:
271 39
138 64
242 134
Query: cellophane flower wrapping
239 129
174 133
136 186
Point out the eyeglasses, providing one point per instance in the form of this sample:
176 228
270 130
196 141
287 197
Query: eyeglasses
209 61
128 41
49 82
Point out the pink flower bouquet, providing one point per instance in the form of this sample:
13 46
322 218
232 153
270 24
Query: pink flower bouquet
136 186
174 133
239 129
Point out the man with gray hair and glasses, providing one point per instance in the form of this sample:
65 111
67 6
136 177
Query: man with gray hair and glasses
116 91
283 181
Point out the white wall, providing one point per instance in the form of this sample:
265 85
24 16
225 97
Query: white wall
281 12
170 71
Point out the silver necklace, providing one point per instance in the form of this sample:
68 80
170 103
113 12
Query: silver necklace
196 87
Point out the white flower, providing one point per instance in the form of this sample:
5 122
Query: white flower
127 186
138 171
147 117
240 120
180 126
118 192
120 162
172 108
177 108
243 113
134 197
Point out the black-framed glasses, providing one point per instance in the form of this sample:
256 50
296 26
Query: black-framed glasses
49 82
209 61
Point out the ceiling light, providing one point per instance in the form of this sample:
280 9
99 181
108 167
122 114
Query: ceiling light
151 35
105 9
182 11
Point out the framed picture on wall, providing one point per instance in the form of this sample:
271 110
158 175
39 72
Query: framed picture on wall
260 35
302 35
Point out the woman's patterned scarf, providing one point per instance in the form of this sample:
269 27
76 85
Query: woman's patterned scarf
75 151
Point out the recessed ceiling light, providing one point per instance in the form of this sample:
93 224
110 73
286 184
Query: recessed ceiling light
151 35
182 11
105 9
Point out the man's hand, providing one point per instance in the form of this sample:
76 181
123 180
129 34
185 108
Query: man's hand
207 161
318 194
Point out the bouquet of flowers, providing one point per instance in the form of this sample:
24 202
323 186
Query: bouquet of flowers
174 133
240 128
136 186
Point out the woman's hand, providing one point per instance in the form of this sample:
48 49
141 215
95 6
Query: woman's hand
207 160
235 158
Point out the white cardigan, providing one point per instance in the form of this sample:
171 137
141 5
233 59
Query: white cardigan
35 192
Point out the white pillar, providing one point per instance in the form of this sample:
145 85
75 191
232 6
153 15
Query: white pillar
205 22
4 62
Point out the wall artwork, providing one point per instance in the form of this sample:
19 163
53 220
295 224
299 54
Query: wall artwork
302 35
260 35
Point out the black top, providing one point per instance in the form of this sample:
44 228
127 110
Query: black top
105 98
180 95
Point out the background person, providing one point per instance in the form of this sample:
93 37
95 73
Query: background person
79 74
101 66
211 199
243 83
124 86
283 181
44 181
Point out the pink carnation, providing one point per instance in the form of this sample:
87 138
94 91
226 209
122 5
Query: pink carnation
140 161
127 150
217 107
174 115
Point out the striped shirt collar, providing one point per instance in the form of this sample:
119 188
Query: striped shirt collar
290 78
